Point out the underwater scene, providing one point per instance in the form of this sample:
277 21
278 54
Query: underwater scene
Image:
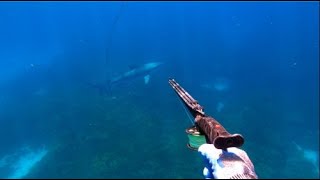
85 93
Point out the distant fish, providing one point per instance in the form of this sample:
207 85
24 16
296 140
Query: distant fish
41 92
221 84
220 106
134 72
22 161
309 155
218 84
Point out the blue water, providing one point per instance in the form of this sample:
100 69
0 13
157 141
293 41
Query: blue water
254 66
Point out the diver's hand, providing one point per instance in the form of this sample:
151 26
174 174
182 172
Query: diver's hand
232 163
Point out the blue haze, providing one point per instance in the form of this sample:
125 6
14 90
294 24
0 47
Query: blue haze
50 53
